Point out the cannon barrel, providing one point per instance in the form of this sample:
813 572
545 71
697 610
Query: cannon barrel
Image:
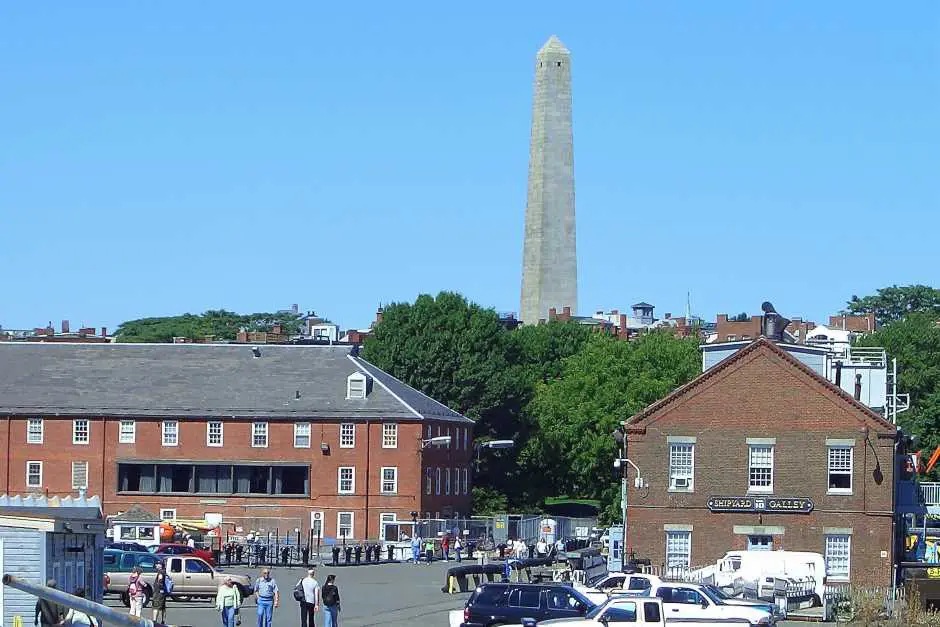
102 612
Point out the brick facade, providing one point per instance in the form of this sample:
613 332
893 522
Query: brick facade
763 397
104 453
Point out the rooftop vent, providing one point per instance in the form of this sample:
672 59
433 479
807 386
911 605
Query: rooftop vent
255 352
772 324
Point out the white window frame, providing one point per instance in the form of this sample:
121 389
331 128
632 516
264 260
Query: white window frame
428 480
30 422
437 481
393 481
221 434
77 464
466 481
163 513
352 480
354 392
466 437
675 477
352 525
351 427
386 518
259 430
389 435
840 471
28 473
684 537
175 432
299 427
845 538
127 437
429 433
75 431
447 481
759 449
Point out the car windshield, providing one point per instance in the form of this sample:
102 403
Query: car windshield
711 594
153 549
593 581
717 592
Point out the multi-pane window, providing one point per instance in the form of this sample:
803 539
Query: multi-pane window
79 475
840 469
678 548
760 468
34 431
347 435
390 435
167 514
447 481
171 432
389 480
259 435
301 435
214 433
344 525
33 474
429 432
466 438
466 481
427 481
838 555
437 481
681 466
347 480
81 432
127 432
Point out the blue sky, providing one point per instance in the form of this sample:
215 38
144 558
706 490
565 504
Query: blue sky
158 158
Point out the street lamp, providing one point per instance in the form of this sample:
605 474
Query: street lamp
492 444
441 440
623 463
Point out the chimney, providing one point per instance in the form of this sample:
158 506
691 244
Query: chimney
276 329
552 313
722 318
858 387
378 315
623 325
104 331
65 326
839 374
566 312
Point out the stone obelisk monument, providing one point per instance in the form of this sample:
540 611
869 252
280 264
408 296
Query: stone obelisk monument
549 256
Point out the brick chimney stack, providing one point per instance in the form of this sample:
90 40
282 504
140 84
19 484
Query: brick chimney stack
378 315
722 318
65 326
552 313
104 331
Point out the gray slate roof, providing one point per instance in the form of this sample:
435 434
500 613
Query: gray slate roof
201 380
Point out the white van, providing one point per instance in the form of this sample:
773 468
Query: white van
799 566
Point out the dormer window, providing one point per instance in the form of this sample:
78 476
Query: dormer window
357 385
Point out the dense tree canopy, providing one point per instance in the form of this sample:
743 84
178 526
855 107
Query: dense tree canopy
894 303
220 324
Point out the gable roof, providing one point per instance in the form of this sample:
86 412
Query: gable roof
201 380
767 346
136 514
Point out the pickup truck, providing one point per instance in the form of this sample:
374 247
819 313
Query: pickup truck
636 584
689 602
192 576
632 612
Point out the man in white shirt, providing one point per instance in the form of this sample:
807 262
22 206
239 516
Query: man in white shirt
311 603
190 542
541 547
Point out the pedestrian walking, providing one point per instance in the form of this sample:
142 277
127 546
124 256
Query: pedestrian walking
541 547
227 601
429 550
75 617
458 547
161 589
445 547
49 613
415 549
307 594
190 542
136 592
268 597
330 596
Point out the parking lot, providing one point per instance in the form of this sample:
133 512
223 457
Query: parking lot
390 595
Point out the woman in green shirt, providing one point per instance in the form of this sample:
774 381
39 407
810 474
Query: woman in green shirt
429 550
227 601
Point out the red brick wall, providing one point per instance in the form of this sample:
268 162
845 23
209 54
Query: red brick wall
104 451
764 396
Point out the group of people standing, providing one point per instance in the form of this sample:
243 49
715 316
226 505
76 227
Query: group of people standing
308 593
425 548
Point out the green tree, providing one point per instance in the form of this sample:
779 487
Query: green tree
220 324
894 303
605 383
915 342
741 317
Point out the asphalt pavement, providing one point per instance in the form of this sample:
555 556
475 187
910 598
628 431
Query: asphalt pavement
390 595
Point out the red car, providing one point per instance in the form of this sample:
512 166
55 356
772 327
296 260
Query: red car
182 549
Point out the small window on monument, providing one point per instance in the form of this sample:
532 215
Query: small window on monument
559 64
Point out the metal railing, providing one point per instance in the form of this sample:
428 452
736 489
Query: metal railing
930 493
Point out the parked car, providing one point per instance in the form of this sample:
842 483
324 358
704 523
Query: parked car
693 602
192 576
182 549
616 612
508 603
126 546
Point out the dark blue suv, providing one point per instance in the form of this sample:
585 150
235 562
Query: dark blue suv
508 603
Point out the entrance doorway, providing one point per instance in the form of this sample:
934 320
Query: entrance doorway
760 543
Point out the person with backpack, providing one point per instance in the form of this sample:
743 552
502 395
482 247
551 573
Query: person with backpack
162 588
136 592
49 613
330 595
307 594
75 617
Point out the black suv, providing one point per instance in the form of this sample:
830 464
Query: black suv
508 603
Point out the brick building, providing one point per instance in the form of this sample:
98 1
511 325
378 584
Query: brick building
265 437
763 452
